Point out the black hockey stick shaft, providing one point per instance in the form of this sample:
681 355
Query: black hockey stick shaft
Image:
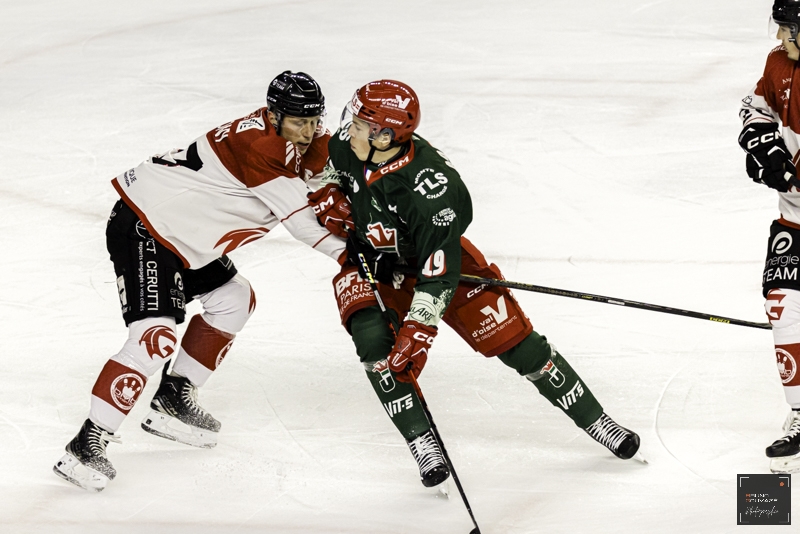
611 300
374 285
447 459
468 278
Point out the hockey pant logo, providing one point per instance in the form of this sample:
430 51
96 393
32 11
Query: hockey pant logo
123 294
782 243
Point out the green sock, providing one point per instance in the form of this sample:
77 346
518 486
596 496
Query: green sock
374 340
535 359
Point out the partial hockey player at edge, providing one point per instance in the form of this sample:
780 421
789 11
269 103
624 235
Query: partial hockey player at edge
771 117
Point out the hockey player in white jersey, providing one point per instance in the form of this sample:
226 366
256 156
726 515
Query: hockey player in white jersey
180 213
771 117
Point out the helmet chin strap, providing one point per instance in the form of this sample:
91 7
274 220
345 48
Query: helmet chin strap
373 149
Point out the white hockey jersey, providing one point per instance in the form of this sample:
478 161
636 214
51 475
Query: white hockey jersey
771 101
229 188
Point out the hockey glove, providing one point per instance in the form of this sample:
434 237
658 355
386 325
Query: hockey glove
332 209
381 264
410 350
769 162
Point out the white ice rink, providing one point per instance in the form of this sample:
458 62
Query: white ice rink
598 140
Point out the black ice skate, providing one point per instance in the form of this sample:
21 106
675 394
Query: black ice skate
432 468
86 464
175 414
785 452
622 442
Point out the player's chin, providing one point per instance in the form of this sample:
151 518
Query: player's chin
361 157
302 147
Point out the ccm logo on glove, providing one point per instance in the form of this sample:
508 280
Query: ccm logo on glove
332 209
766 138
411 347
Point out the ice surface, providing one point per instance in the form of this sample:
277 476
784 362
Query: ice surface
598 139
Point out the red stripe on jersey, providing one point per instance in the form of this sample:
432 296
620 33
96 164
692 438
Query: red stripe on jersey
296 211
390 168
321 240
147 224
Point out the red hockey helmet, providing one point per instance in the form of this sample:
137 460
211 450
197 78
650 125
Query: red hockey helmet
388 106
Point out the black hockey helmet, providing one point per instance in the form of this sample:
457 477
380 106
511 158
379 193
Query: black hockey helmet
296 94
787 13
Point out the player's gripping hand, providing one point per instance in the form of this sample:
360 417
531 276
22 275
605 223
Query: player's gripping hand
769 162
332 209
411 346
381 264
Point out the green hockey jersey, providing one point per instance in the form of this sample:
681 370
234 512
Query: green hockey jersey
415 206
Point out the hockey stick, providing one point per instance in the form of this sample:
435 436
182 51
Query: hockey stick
606 300
374 285
435 430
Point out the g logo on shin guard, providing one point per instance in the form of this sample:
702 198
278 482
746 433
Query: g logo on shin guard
386 382
556 377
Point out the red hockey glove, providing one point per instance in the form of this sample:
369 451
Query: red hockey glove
332 209
411 346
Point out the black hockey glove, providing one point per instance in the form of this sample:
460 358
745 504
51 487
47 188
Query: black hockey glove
381 264
769 162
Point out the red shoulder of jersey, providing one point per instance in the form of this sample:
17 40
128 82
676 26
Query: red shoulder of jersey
778 63
253 152
316 157
776 82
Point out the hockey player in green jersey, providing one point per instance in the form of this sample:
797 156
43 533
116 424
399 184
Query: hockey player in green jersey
402 203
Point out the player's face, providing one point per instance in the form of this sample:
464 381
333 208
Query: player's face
785 35
359 138
299 130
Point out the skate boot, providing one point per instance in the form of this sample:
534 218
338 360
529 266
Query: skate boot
86 464
785 452
175 414
619 440
432 468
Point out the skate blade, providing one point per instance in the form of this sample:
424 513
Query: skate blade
785 464
71 470
638 456
442 489
167 427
